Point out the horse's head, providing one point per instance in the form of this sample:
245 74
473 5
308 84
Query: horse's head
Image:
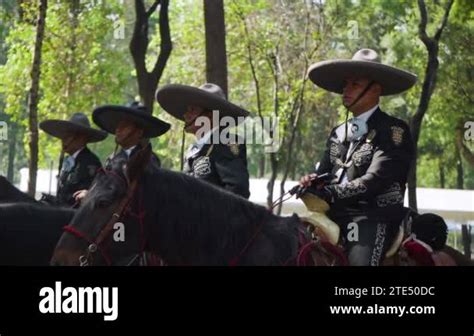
88 237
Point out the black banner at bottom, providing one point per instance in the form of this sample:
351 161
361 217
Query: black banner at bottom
111 300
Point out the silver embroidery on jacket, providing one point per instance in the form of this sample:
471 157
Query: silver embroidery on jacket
202 166
378 247
363 155
392 195
334 152
350 189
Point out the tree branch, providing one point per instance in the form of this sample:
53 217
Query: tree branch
449 5
139 41
148 81
152 8
166 44
423 22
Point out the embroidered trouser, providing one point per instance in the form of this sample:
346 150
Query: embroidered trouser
366 238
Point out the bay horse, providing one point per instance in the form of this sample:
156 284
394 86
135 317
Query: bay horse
29 232
181 219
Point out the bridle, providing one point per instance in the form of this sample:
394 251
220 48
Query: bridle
86 259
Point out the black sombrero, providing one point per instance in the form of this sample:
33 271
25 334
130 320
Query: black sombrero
108 117
175 99
78 123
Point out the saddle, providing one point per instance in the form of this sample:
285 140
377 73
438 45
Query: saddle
327 230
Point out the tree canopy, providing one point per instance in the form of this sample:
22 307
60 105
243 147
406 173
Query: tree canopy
86 62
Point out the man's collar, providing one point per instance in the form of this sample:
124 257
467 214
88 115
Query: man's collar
366 115
129 150
76 153
205 138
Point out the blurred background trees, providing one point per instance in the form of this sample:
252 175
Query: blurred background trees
269 45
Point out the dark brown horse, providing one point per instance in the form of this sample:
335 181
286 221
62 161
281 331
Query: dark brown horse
10 194
135 209
181 219
29 232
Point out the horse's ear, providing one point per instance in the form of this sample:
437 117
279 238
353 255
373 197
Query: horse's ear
138 162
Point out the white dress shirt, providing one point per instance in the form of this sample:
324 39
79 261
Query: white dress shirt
363 117
70 161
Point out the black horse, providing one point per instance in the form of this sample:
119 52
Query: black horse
10 194
29 232
179 218
185 222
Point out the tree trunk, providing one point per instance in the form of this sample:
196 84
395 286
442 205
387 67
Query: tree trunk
148 81
13 134
251 60
297 108
442 177
216 58
261 165
273 63
466 240
34 97
465 229
459 170
429 84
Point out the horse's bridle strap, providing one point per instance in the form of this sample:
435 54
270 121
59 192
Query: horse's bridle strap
79 234
103 234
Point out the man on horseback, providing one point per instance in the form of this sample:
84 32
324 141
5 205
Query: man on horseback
369 155
214 158
80 165
132 127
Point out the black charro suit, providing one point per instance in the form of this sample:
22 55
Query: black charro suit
222 165
79 177
376 168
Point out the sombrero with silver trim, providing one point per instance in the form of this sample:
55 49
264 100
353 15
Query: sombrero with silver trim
330 75
175 99
78 123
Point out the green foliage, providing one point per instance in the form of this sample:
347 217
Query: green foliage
85 66
80 68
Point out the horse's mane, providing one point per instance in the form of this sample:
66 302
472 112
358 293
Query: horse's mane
200 211
192 221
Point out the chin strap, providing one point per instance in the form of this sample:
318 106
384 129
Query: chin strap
367 88
186 124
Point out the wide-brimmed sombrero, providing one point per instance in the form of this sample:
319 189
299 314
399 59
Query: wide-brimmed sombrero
77 124
175 99
108 117
365 63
